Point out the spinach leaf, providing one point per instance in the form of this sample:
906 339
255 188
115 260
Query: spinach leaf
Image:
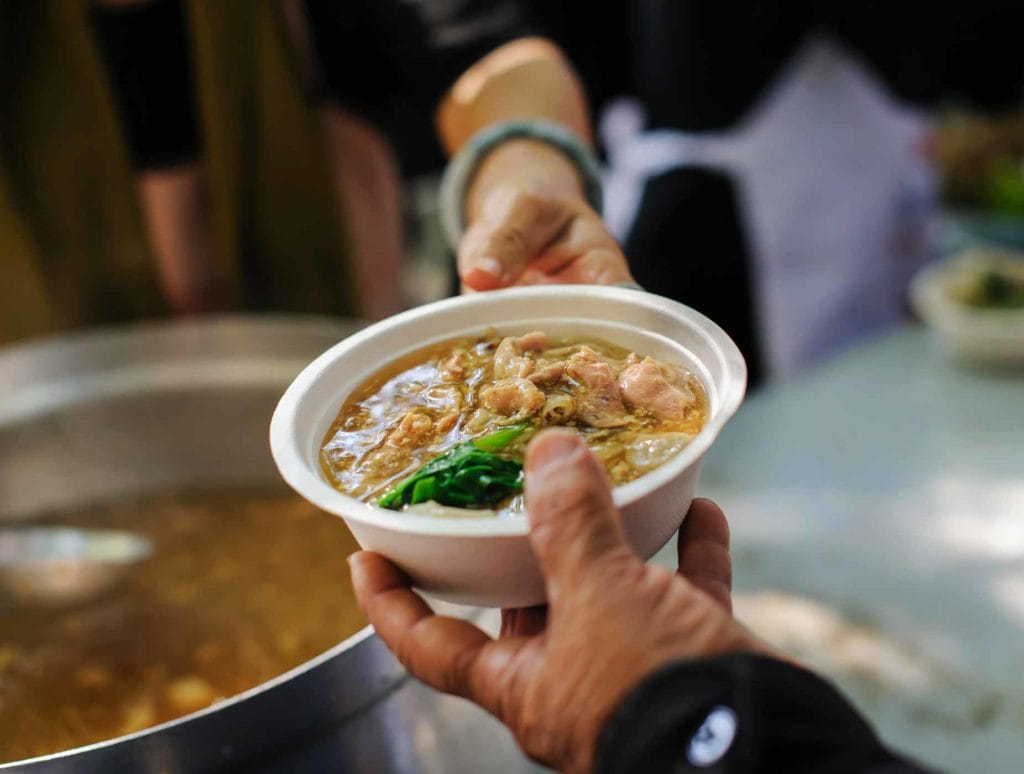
469 475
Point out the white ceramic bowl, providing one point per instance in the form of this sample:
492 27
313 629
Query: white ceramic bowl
989 336
488 561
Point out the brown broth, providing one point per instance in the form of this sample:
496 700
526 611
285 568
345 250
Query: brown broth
360 458
242 586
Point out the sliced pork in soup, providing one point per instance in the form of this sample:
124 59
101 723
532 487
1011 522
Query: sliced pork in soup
448 425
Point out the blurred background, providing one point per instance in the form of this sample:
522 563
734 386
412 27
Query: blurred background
197 197
205 159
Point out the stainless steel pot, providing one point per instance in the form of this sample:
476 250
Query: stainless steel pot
113 414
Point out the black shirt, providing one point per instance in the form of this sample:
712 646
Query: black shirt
391 61
702 65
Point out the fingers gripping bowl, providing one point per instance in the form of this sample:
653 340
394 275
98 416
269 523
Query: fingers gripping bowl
487 560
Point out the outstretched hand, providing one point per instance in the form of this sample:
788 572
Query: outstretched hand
555 674
523 238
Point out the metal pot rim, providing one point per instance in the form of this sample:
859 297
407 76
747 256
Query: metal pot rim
351 643
158 354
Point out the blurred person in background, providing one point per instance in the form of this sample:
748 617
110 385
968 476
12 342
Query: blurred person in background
234 173
768 170
768 162
231 180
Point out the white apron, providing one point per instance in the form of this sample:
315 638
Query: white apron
834 189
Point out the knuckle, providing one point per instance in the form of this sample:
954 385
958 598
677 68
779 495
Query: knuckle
455 674
581 501
545 532
510 240
538 727
657 582
618 579
406 650
707 626
522 201
404 653
509 689
531 206
707 558
565 511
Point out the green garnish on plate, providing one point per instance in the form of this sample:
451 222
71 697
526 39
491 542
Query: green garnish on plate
993 288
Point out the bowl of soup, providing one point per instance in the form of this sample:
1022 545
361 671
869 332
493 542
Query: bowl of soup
414 429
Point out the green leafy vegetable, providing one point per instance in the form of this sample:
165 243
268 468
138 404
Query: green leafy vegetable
993 289
499 439
470 475
1005 186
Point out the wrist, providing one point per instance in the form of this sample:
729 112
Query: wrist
525 165
532 156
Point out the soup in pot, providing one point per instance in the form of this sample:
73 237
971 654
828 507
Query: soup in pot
242 585
448 426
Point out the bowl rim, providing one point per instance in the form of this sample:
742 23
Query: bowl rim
299 474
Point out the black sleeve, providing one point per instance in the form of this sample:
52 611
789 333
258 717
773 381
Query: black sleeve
145 50
597 37
740 713
391 61
929 53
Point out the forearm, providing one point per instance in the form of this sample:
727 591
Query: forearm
145 47
175 210
369 200
527 78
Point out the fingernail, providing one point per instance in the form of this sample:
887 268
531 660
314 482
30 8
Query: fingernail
550 448
354 565
489 265
355 569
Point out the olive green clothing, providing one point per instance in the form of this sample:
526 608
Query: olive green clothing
72 244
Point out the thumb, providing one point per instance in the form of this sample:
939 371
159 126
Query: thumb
512 229
574 525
